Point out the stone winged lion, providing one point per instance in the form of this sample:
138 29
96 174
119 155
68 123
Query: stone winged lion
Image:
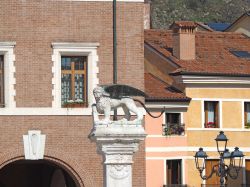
112 97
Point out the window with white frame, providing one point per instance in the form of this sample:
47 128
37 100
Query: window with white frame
75 69
7 78
173 124
174 172
211 113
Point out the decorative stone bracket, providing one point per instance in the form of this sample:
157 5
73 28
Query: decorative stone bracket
34 144
117 143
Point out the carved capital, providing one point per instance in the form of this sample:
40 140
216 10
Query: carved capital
118 159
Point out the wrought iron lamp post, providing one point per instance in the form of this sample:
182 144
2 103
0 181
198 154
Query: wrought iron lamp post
229 163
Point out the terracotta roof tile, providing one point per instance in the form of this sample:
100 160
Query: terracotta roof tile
158 90
212 51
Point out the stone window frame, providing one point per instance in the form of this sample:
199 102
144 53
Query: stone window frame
7 50
80 49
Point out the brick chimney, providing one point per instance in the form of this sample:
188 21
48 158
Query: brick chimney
147 15
184 39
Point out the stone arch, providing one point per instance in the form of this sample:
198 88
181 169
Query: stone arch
81 177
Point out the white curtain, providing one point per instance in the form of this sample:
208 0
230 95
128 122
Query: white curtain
210 107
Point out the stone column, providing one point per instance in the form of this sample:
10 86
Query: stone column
117 143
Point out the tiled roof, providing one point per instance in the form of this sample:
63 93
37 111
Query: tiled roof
213 54
157 90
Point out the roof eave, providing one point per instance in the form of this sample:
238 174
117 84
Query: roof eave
151 99
209 74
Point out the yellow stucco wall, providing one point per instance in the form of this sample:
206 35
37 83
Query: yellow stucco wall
193 177
231 114
227 93
193 115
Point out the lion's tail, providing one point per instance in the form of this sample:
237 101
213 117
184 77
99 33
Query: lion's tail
163 110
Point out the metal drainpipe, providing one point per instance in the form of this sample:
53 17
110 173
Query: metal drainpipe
114 52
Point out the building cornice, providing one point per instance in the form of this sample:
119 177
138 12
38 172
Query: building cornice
211 80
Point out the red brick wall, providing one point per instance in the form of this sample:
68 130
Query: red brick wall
34 25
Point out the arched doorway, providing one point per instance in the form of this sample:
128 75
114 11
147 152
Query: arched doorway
42 173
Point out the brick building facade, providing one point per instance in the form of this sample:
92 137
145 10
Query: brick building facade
35 35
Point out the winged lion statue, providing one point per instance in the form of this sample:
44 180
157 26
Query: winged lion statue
111 97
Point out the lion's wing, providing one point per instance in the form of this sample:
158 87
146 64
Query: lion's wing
121 90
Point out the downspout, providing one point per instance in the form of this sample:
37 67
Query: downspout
114 52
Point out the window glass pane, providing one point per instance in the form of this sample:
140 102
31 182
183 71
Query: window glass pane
66 63
66 87
79 87
79 61
211 112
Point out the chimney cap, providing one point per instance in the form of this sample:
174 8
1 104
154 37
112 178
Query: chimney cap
183 25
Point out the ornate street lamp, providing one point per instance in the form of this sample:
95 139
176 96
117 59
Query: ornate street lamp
229 163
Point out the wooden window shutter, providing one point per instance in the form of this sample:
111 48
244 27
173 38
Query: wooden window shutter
206 113
216 113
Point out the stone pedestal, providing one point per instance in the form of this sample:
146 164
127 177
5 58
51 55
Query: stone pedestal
117 142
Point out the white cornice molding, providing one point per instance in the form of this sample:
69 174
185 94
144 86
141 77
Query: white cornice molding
192 80
70 45
167 104
7 44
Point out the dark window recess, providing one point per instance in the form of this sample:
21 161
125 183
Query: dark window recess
173 118
1 81
241 54
174 172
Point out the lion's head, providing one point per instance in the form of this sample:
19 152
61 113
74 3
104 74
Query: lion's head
100 92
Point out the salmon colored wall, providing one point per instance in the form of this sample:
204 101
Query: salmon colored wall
154 173
167 154
153 126
232 114
167 141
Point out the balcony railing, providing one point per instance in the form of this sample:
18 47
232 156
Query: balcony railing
175 185
170 129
